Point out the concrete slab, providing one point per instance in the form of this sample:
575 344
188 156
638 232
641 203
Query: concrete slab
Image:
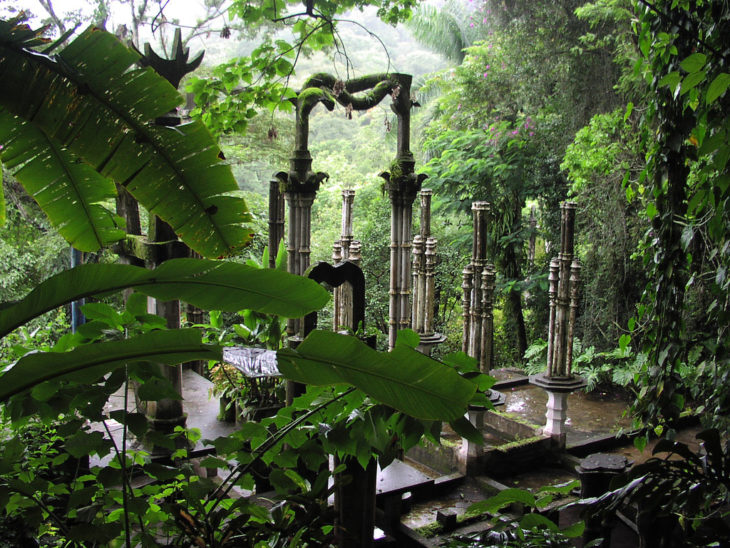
399 477
198 402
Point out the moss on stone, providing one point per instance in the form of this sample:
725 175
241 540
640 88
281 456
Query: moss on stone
518 443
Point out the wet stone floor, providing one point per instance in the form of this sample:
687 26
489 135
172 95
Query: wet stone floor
589 415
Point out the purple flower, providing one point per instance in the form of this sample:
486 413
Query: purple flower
515 132
485 75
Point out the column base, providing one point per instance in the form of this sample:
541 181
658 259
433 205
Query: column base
429 341
558 390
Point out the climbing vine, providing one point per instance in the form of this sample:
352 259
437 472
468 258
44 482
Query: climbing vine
686 49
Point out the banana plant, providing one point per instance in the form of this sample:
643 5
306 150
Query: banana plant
75 122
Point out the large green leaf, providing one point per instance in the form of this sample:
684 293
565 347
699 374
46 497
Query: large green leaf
90 100
403 378
203 283
167 347
60 184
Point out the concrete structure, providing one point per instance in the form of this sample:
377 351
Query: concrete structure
424 263
343 251
564 279
478 295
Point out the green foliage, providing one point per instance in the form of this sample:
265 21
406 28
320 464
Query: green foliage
106 112
684 491
619 366
203 283
260 81
531 529
403 378
447 29
684 60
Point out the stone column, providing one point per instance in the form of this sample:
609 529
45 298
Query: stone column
487 337
299 240
552 293
342 295
348 197
300 186
466 288
424 264
560 365
401 199
402 185
533 240
564 284
418 292
336 302
479 327
420 299
356 252
166 414
430 286
276 220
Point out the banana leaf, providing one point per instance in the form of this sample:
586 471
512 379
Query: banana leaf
60 183
403 378
204 283
91 361
90 100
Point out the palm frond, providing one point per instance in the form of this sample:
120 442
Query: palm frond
440 30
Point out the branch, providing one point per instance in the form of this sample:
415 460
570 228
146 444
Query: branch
48 6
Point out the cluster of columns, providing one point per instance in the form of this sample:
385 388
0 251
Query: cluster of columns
478 294
424 282
401 223
564 279
345 249
299 186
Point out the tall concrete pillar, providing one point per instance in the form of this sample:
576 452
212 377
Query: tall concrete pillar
402 185
479 293
276 220
342 295
564 285
424 263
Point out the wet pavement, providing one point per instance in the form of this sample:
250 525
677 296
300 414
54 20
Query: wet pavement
589 415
